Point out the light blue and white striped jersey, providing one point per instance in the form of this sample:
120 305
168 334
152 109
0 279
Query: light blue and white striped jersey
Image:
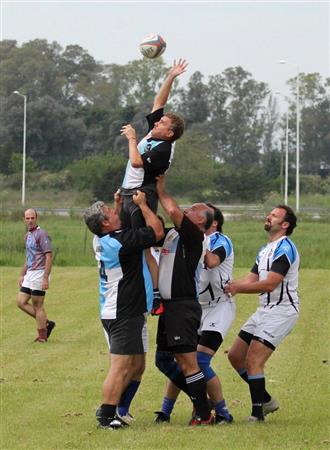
286 292
212 281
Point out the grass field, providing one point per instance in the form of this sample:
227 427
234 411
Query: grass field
49 392
72 243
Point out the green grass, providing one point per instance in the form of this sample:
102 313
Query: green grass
72 242
49 392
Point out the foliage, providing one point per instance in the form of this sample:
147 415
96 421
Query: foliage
101 174
77 106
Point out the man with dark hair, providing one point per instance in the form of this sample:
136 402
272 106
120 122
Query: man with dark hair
275 277
34 278
218 313
153 155
179 267
125 296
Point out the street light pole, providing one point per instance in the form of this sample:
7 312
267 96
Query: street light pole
286 170
297 140
286 163
24 146
297 146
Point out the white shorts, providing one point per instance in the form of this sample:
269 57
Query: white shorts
272 324
218 317
144 337
33 280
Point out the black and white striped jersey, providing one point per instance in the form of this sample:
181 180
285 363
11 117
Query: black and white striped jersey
156 155
180 262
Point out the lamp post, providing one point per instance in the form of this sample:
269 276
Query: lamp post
24 146
286 164
297 139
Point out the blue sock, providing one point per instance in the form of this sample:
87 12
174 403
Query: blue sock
167 406
221 409
127 397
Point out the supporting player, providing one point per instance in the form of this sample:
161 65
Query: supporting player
275 277
218 313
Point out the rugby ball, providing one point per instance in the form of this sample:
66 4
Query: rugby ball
152 46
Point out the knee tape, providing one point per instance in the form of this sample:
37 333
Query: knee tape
204 361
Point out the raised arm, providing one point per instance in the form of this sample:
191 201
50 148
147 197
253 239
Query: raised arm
149 216
117 201
168 203
133 152
161 98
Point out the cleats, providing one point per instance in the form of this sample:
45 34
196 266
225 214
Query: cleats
127 418
111 423
197 421
50 326
40 340
222 420
161 417
255 419
270 406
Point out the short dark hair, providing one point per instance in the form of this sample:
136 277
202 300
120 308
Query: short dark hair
289 217
93 217
218 216
177 125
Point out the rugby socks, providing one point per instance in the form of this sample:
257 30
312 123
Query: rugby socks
243 374
42 334
105 413
222 410
196 386
257 389
127 397
168 405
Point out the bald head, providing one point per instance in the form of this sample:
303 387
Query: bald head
30 218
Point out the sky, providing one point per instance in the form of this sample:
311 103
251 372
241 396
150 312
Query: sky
211 35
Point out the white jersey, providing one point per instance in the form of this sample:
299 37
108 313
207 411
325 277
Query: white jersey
213 281
280 256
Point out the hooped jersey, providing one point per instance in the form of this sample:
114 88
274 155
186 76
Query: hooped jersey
213 281
37 243
280 256
156 155
125 281
180 262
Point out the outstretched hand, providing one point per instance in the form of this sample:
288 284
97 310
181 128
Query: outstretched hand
178 67
128 131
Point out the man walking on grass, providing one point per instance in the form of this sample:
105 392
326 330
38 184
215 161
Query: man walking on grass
34 278
274 277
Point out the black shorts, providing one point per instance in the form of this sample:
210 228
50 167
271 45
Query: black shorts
131 215
125 335
178 326
33 292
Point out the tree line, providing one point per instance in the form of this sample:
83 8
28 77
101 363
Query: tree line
76 107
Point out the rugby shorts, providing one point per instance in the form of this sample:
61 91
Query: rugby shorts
32 282
178 326
131 215
271 325
218 317
125 335
144 336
